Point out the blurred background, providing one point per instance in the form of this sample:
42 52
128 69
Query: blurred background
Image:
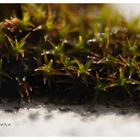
128 10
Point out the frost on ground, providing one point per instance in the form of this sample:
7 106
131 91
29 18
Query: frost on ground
41 121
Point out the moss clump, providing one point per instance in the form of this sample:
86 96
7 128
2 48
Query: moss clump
70 53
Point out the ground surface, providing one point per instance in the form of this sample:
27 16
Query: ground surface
42 119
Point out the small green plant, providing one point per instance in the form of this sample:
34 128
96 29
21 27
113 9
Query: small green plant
80 46
123 81
83 69
36 13
18 46
48 70
25 22
69 66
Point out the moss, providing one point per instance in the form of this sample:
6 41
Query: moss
69 53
